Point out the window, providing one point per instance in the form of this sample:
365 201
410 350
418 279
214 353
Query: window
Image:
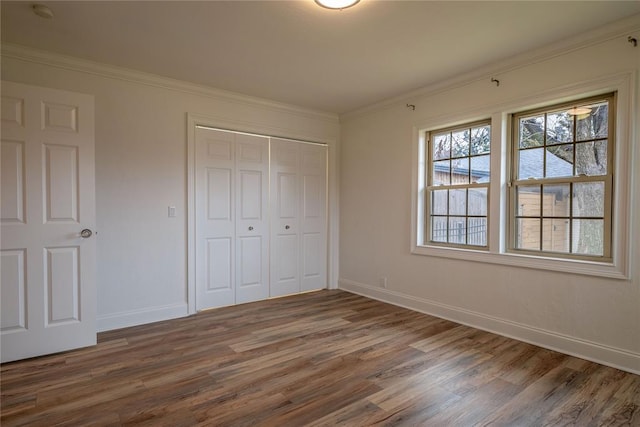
562 180
556 194
458 185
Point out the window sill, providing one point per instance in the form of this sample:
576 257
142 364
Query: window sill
587 268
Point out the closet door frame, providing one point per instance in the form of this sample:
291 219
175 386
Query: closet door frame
194 120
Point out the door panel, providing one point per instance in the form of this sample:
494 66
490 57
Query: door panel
61 183
63 287
312 245
299 229
250 252
231 225
218 195
287 260
287 196
313 221
252 221
219 271
215 211
14 292
285 209
48 197
251 193
12 178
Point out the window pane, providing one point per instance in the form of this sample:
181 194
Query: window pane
531 131
477 232
559 161
439 229
559 127
441 147
477 202
457 230
530 163
441 171
439 202
562 157
460 171
588 236
460 143
480 140
480 168
528 233
594 124
528 199
555 235
588 199
591 158
458 202
555 200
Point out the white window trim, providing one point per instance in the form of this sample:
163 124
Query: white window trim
624 85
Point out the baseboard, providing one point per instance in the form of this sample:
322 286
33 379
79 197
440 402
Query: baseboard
605 355
140 317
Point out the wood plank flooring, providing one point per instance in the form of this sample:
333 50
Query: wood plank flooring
322 359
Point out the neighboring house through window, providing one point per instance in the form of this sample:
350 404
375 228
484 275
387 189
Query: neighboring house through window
459 184
562 179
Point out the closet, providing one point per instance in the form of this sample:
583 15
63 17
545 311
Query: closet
261 224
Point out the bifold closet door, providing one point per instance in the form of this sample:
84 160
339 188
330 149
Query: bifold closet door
298 217
232 228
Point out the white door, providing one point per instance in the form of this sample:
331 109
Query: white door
298 211
48 198
252 218
313 217
232 236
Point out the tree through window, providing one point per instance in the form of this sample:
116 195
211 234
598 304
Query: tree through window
562 179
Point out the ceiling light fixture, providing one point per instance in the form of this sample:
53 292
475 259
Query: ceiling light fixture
578 111
336 4
42 11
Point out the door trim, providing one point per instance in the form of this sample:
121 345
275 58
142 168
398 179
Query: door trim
193 120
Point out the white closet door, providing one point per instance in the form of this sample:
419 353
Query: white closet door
48 286
298 226
313 218
232 236
285 215
252 218
215 213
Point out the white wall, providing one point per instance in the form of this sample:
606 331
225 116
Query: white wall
141 169
593 317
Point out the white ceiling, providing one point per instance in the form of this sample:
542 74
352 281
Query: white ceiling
302 54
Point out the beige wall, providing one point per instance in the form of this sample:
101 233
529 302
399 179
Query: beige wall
593 317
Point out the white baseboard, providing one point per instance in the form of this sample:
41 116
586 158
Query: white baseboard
140 317
605 355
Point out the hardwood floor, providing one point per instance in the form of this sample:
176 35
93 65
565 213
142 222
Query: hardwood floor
323 359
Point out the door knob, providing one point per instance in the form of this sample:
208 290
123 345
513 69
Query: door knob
86 233
250 228
286 227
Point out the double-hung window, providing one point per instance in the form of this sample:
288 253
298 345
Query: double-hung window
545 187
560 196
458 185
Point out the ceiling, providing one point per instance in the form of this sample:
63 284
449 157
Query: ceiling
299 53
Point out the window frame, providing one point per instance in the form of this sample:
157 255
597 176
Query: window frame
624 84
607 179
453 186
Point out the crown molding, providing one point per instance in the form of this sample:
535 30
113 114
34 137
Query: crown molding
621 28
28 54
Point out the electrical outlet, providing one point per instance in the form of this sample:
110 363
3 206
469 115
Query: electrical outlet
383 281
